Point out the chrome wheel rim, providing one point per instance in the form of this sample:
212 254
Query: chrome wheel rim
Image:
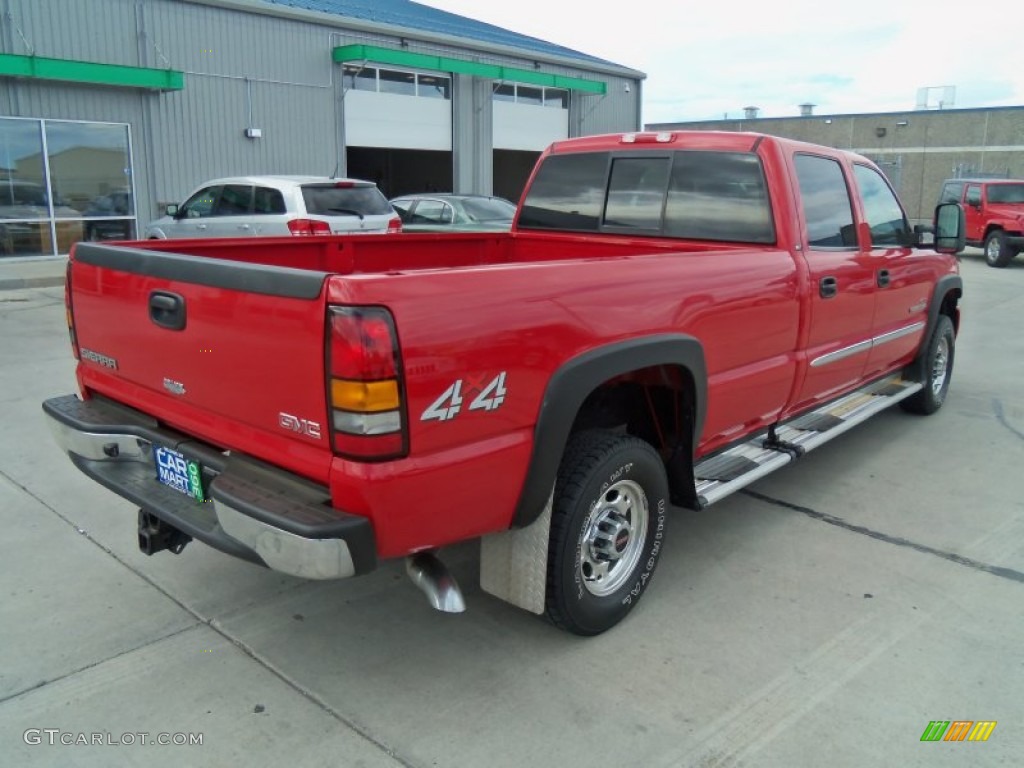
992 249
940 366
613 537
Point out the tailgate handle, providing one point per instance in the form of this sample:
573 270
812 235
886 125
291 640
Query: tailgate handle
167 310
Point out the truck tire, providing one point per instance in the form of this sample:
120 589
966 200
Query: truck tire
997 252
607 530
939 369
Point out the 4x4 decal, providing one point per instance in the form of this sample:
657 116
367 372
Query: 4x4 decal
489 397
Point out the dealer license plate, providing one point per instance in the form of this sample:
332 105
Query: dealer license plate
179 473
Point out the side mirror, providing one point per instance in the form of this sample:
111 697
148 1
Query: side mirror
171 209
949 228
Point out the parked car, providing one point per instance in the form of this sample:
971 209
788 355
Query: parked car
104 208
249 206
454 213
24 224
994 211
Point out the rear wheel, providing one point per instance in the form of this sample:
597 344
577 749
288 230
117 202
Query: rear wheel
938 368
997 252
607 530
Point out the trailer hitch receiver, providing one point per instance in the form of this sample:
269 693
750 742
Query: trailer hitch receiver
155 535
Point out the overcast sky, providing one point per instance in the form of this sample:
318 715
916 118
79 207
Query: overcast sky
706 59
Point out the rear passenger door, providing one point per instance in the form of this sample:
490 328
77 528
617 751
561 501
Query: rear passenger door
269 213
842 282
903 286
231 215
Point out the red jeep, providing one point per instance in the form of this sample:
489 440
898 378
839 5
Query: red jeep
994 210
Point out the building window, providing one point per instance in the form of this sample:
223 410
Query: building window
427 86
62 181
403 83
528 95
504 92
433 87
556 97
360 78
531 94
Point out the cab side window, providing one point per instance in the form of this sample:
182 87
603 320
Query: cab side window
825 200
201 204
885 217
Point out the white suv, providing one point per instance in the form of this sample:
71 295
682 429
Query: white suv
271 206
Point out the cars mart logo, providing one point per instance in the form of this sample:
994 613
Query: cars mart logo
958 730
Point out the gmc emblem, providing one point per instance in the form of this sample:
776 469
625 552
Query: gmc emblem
295 424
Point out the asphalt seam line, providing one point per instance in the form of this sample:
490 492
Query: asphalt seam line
993 570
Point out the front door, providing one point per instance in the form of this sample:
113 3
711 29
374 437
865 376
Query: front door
903 287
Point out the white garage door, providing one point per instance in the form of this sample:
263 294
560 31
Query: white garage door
528 117
397 109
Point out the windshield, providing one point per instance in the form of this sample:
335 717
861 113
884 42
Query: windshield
489 209
1006 193
329 200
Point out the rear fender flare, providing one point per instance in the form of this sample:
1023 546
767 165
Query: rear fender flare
573 382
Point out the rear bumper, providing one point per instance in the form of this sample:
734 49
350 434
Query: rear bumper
254 511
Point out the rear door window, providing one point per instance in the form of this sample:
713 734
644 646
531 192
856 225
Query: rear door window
235 200
342 200
432 212
825 200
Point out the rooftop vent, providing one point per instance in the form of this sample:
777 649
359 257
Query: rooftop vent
806 110
750 113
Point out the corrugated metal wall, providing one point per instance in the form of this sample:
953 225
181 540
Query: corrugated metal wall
242 70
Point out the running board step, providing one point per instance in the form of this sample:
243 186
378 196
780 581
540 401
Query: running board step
729 471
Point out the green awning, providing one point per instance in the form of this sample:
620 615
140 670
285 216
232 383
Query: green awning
348 53
65 70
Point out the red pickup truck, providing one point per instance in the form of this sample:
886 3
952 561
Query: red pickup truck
672 316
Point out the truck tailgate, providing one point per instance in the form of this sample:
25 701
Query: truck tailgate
229 352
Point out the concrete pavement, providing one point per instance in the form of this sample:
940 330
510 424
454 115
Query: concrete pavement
825 616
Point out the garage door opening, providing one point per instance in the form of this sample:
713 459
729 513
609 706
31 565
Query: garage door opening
402 171
511 170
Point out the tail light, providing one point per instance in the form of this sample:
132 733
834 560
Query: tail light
394 224
68 312
308 227
364 384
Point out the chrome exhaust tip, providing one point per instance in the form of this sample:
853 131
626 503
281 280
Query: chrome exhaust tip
435 581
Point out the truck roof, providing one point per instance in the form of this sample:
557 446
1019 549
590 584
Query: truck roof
735 141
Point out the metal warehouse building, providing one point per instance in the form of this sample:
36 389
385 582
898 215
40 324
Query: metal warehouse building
110 109
916 149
